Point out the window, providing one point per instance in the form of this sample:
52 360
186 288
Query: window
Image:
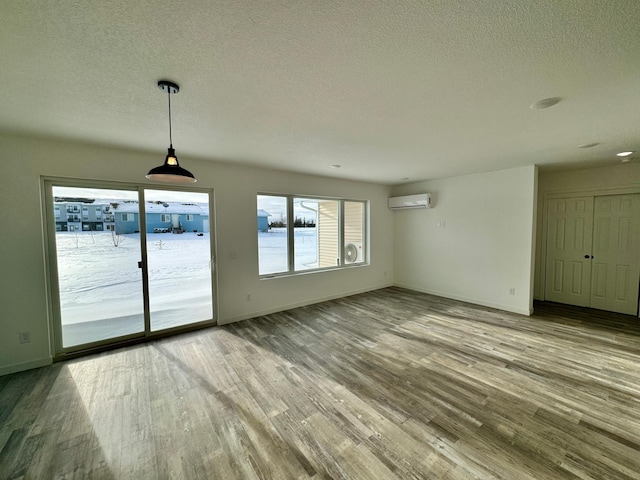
273 256
325 233
165 217
127 217
354 234
316 233
189 218
56 212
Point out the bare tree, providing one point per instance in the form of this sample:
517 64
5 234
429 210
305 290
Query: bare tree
116 238
75 238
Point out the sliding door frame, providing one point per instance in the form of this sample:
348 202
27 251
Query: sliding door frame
51 266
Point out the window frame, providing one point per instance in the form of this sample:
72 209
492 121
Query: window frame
291 271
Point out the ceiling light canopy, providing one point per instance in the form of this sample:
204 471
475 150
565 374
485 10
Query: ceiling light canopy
545 103
170 171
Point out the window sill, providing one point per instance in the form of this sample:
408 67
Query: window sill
270 276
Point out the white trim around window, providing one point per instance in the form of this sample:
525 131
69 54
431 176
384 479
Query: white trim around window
301 234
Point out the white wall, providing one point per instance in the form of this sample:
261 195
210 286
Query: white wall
616 179
23 305
486 246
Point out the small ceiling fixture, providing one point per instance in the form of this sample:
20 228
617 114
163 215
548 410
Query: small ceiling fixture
170 171
545 103
624 154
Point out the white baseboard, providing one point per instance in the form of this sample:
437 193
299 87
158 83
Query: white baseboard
282 308
462 298
20 367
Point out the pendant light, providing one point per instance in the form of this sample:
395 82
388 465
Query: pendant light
170 171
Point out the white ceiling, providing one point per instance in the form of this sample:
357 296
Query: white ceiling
387 89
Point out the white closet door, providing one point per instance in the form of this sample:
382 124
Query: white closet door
569 236
616 253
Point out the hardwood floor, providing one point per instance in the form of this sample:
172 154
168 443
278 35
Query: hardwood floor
383 385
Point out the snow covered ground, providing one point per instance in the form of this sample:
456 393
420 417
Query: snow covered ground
101 285
272 248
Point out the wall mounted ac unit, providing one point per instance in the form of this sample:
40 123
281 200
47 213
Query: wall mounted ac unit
421 200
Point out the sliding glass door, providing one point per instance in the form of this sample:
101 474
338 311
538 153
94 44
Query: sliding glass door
99 282
126 262
178 257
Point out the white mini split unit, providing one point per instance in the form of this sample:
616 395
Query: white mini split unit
353 253
421 200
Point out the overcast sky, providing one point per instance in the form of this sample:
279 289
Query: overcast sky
277 206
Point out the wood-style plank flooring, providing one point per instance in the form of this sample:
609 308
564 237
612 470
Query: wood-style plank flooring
390 384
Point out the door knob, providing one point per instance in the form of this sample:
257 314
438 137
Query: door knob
586 256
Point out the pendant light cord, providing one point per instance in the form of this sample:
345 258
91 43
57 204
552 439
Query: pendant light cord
170 137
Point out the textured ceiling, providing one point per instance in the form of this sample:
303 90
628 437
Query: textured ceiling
387 89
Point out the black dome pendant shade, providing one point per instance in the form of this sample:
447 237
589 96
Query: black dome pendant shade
170 171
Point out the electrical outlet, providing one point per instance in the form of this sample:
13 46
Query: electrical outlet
24 337
512 291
